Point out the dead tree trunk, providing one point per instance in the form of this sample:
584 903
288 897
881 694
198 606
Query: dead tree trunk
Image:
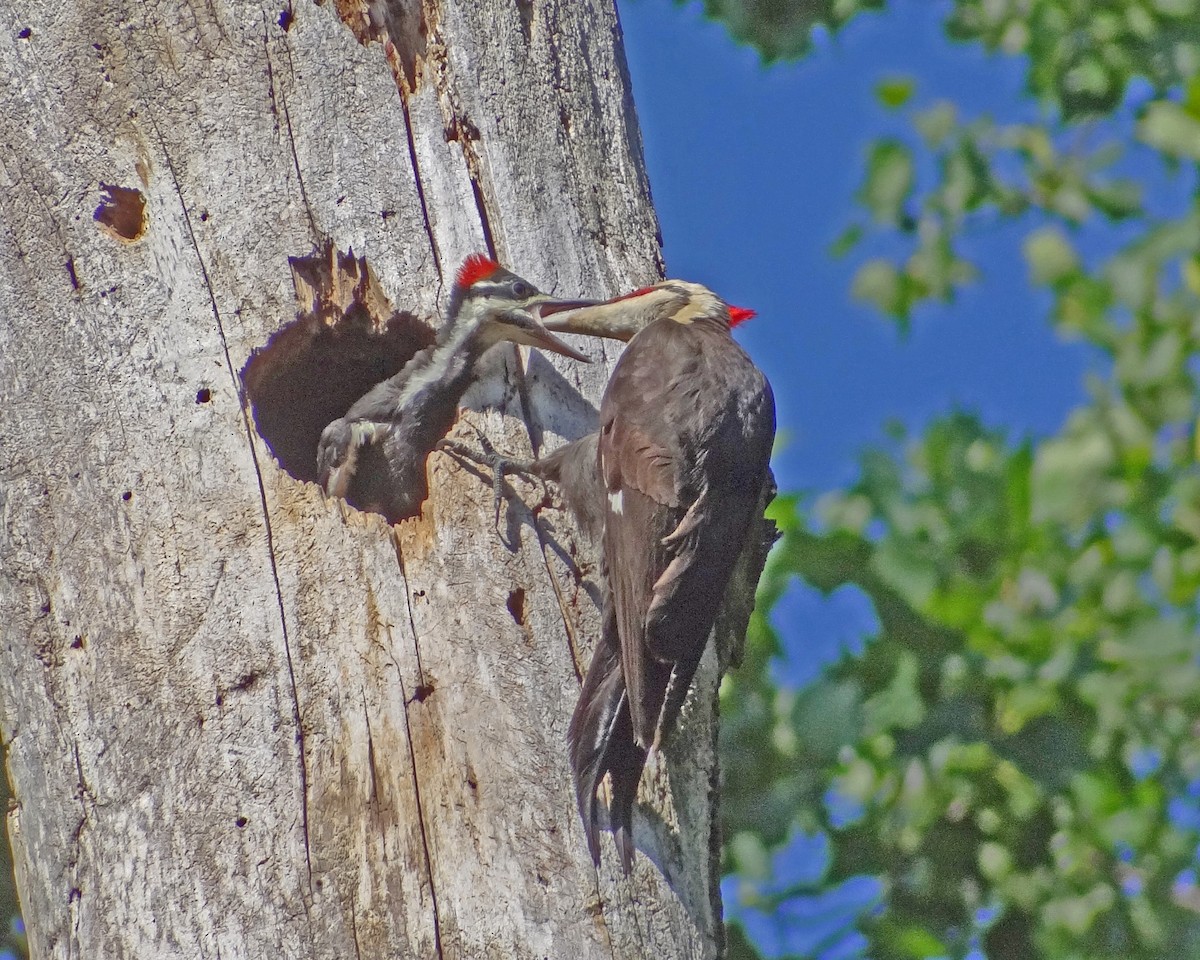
243 720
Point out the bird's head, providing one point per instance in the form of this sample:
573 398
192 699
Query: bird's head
489 304
621 318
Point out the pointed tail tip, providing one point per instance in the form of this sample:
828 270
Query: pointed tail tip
593 842
585 796
624 839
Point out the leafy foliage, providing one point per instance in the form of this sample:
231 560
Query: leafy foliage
1016 754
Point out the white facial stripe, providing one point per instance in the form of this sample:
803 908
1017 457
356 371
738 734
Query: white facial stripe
701 303
488 288
616 502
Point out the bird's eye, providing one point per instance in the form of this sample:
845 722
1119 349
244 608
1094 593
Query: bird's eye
521 289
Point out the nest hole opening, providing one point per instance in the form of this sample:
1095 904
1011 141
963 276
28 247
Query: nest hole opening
345 339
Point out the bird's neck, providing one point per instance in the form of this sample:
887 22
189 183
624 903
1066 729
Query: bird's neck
447 368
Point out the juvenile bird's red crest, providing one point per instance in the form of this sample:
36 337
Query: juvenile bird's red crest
475 268
740 315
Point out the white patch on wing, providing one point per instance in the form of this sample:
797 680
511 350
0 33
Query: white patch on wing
616 502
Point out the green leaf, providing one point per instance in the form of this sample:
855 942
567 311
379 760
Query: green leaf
878 282
917 942
779 29
966 177
1050 256
1069 476
1118 199
895 92
846 241
890 175
937 123
1170 128
827 716
899 706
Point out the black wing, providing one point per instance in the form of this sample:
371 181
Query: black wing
687 423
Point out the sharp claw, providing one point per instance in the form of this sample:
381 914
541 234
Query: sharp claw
487 456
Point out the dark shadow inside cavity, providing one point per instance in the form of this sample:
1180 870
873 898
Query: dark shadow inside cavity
346 339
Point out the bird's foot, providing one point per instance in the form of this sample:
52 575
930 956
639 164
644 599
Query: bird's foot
487 456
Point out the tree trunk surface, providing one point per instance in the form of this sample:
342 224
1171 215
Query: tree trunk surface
242 719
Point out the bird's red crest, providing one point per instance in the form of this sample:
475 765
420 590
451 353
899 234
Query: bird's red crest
475 268
740 315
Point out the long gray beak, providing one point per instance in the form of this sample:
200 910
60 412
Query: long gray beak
554 305
612 319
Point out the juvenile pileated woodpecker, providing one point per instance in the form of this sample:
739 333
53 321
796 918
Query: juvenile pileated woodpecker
407 414
673 478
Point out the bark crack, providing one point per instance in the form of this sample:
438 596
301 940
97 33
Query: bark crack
266 513
485 221
354 928
423 688
373 796
416 168
412 758
419 696
568 625
74 892
287 120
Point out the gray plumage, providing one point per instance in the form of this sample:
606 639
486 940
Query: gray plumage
375 454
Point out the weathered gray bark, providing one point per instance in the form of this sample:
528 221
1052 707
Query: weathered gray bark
242 720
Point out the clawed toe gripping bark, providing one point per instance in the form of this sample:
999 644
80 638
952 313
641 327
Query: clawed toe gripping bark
498 463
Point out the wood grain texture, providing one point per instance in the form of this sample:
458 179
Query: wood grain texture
243 720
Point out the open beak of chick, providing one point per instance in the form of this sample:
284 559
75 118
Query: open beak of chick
531 331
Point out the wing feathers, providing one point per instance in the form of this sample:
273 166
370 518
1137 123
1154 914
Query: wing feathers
687 423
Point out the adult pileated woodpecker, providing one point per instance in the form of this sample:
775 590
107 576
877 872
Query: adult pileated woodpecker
673 478
407 414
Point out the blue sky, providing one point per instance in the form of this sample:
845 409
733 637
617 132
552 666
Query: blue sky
753 171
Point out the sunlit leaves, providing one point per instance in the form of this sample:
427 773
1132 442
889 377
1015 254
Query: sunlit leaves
982 756
889 182
1050 256
1016 751
1083 56
956 179
1172 129
895 92
879 283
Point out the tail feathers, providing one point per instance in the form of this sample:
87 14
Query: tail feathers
600 741
625 761
677 686
624 837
